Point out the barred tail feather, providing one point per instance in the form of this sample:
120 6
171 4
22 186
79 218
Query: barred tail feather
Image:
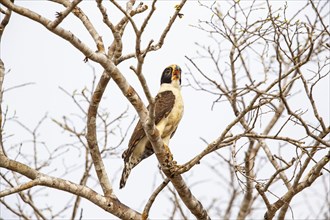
129 164
124 175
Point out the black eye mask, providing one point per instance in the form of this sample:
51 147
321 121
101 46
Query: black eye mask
166 76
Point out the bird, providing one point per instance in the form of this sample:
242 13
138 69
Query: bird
168 113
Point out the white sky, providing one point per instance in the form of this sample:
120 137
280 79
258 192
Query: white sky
33 54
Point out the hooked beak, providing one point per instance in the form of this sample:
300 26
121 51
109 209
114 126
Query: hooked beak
176 74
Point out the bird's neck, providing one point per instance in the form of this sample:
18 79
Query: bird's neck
169 87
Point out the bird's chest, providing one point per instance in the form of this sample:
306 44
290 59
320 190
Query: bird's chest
175 116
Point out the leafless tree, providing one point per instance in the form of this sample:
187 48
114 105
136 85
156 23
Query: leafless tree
263 62
265 65
22 177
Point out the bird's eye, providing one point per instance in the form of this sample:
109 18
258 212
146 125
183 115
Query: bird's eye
168 70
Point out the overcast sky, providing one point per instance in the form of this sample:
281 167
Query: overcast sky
34 55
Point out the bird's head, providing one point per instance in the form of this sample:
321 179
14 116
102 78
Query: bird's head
171 75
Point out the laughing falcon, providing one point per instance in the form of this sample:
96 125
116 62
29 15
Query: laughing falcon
168 113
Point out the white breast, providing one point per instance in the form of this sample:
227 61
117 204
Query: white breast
168 125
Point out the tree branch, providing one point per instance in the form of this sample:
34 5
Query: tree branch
152 198
62 15
109 204
312 175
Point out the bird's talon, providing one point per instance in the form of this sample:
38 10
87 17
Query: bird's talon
175 169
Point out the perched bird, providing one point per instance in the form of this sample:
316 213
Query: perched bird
168 113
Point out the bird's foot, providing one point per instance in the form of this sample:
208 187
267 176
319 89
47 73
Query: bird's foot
175 169
168 158
168 154
170 164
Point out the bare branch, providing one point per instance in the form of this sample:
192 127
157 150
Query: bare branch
314 173
152 198
67 35
19 188
107 203
92 136
62 15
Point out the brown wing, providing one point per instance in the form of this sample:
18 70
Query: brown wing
164 103
137 135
